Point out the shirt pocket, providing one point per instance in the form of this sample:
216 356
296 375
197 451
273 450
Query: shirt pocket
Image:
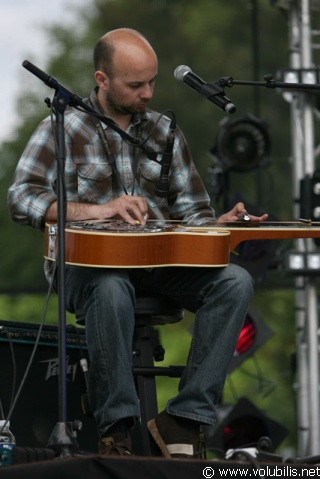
94 182
150 171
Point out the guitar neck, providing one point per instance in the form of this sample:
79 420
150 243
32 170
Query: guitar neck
264 231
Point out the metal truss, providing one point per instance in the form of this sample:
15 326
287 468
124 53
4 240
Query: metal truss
303 113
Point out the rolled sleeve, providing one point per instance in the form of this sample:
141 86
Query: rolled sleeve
32 189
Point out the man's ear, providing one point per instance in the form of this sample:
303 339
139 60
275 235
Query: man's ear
101 79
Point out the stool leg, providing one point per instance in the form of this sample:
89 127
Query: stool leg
145 339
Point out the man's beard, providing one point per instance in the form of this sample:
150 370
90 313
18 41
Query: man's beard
114 107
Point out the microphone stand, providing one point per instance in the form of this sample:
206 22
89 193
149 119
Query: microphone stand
268 83
61 440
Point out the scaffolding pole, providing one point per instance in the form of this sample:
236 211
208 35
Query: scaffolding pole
306 302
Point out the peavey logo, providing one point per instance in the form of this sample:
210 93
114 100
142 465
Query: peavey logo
53 369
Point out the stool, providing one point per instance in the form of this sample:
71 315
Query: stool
150 311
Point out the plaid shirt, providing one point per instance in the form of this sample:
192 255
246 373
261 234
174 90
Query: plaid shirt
89 177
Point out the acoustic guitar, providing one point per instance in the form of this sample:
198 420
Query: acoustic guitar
116 244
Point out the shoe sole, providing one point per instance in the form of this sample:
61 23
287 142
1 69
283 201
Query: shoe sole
158 439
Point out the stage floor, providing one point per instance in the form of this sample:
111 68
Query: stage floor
96 467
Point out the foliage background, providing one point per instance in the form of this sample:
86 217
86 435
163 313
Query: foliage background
242 39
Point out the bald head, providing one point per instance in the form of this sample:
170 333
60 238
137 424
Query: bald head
120 47
126 68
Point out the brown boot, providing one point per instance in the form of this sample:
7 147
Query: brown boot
115 445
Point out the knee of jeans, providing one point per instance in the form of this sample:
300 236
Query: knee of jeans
114 284
244 282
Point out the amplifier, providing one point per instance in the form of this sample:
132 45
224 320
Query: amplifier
37 408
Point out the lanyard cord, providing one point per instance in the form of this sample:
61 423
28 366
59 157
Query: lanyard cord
110 156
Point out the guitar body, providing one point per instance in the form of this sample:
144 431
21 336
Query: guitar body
116 244
141 249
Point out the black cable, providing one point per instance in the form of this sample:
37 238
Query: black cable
130 140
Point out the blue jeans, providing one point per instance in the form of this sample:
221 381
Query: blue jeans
220 298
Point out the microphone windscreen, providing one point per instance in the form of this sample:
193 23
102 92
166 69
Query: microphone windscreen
181 71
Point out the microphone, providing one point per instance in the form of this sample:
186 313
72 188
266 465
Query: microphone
211 91
162 186
51 82
47 79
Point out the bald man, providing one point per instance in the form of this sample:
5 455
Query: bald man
107 177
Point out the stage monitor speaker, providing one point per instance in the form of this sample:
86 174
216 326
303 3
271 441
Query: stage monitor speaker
37 409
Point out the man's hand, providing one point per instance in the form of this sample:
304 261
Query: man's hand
239 212
132 209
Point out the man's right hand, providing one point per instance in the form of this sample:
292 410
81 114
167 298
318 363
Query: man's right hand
132 209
